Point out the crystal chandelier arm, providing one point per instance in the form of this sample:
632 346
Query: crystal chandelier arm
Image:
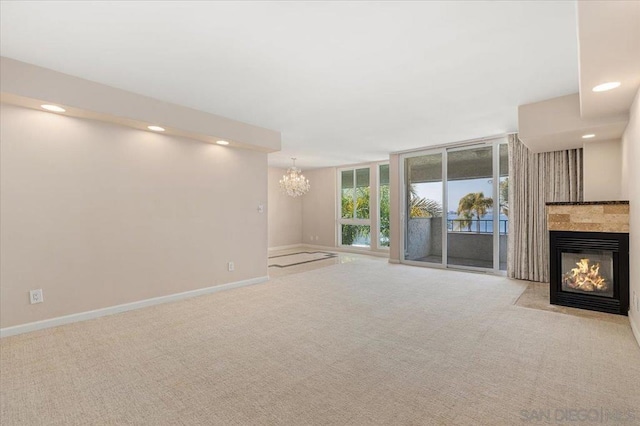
293 183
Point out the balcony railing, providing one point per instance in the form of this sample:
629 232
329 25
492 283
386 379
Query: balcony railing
477 226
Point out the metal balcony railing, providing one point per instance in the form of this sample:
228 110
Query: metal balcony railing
477 226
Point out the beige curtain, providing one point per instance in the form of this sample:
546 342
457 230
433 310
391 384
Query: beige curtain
535 179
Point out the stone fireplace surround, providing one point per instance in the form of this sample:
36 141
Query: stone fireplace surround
589 216
577 226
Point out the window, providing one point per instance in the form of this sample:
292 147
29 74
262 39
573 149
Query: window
383 203
355 222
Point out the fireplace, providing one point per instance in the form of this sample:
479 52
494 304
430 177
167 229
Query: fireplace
590 270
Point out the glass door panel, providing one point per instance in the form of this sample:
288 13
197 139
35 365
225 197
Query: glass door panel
355 228
384 206
423 208
470 218
503 189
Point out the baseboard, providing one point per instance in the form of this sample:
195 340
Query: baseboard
290 246
396 261
634 327
83 316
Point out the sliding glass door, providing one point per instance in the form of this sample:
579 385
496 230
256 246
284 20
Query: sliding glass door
456 206
470 206
423 208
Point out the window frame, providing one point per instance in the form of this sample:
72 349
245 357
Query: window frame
379 205
495 142
353 220
373 222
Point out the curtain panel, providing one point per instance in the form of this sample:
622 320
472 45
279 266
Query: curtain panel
536 179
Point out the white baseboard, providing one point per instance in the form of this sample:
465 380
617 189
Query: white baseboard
290 246
83 316
634 327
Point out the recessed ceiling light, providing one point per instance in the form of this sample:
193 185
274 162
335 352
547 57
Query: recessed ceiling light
156 128
53 108
222 143
606 86
589 136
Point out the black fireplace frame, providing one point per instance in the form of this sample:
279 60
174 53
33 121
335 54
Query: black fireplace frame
570 241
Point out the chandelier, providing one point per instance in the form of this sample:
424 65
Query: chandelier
293 182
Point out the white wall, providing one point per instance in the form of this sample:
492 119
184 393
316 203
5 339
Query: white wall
319 208
631 190
25 84
627 167
558 124
602 172
98 215
285 213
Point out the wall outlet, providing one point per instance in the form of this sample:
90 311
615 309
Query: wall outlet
231 266
35 296
311 237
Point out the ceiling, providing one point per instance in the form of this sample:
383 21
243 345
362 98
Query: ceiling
609 33
609 51
344 82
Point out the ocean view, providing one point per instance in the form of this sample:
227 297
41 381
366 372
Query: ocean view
485 224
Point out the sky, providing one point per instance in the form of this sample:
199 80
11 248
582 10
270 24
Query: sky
456 190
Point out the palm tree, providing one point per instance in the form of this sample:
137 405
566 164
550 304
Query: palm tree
464 220
352 232
422 207
473 203
504 197
385 207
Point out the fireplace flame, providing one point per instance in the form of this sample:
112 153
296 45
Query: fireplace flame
585 277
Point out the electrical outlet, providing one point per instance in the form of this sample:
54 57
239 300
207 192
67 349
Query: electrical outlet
35 296
311 237
231 266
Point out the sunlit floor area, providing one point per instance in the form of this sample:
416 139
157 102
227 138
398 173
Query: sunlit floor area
351 343
296 260
461 261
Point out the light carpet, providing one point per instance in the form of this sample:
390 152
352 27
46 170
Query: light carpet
358 343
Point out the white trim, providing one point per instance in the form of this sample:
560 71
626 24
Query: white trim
352 221
378 205
495 215
634 328
97 313
445 208
374 206
465 143
290 246
402 207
